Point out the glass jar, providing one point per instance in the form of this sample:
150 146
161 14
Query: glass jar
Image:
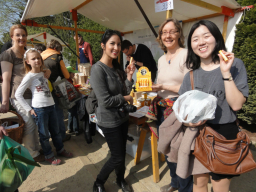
144 95
141 101
147 102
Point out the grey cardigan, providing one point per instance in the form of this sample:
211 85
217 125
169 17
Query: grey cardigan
108 89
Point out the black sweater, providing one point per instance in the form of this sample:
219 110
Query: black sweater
144 55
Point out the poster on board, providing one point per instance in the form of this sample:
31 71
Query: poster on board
163 5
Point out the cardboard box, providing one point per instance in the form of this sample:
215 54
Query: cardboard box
85 68
80 78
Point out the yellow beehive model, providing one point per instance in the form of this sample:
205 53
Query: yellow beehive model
143 82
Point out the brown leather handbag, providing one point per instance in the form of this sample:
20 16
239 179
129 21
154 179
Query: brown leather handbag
222 156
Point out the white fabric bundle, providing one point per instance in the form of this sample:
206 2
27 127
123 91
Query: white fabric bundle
194 106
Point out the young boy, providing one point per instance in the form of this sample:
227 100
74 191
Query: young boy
73 121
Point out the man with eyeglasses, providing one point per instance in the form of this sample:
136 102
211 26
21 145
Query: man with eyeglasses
142 56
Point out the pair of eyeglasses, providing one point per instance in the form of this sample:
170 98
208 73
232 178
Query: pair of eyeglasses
126 52
165 33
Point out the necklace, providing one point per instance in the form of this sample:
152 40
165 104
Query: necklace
177 51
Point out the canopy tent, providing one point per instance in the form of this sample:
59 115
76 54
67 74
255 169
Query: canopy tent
43 38
123 15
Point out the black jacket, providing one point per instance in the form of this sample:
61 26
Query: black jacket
144 55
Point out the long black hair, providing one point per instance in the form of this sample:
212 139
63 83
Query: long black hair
105 37
193 61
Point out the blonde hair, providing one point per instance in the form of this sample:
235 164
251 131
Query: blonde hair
26 65
179 29
54 44
18 26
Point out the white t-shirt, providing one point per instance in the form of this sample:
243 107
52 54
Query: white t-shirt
41 95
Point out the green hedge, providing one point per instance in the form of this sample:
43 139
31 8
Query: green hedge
245 49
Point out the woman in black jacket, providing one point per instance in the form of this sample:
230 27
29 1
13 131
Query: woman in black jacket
112 87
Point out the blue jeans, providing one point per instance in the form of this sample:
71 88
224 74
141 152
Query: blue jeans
46 122
184 185
73 122
60 117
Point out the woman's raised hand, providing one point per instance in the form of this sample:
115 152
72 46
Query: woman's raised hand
130 69
225 66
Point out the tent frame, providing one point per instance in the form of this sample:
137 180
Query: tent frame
218 11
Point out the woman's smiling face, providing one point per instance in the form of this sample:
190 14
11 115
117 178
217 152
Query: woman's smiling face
113 47
203 43
170 35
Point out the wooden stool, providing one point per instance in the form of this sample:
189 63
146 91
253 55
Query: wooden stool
155 162
143 132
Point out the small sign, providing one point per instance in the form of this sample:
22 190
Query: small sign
163 5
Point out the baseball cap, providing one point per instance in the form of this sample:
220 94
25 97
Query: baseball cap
72 70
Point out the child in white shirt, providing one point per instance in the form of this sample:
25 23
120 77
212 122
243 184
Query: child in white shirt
42 109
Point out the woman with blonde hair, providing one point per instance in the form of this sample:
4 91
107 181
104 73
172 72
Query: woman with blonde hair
171 71
13 72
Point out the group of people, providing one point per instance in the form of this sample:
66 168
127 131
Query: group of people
226 80
26 75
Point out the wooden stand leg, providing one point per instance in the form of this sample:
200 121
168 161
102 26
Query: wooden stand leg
140 146
155 163
162 157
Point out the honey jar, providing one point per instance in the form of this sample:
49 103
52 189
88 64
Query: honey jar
141 102
144 95
147 102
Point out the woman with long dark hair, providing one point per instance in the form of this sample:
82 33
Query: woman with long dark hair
227 81
112 88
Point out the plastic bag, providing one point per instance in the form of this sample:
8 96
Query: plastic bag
15 164
194 106
66 93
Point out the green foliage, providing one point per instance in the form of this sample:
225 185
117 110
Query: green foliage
11 13
245 49
92 38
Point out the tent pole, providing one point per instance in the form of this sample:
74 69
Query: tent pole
44 38
146 18
168 14
63 41
225 28
32 42
74 17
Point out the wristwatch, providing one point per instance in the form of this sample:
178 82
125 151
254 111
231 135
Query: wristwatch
228 79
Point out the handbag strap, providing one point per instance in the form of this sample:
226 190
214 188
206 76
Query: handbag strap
192 79
239 158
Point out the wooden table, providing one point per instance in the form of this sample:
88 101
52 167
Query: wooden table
144 130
